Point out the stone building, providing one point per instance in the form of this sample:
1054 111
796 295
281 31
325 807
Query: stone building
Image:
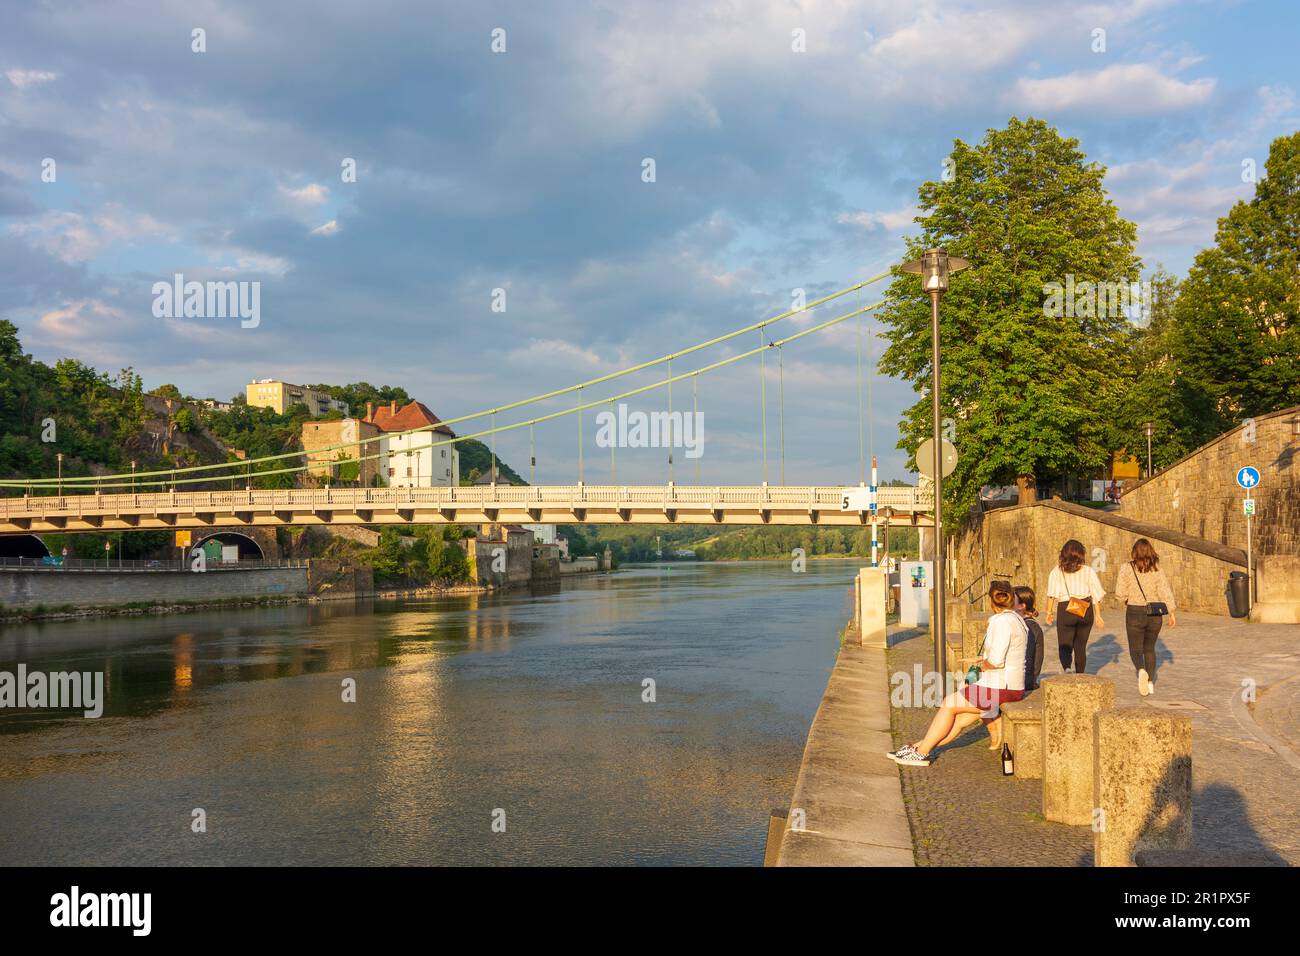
319 439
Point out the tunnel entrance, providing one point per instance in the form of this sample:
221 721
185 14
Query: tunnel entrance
22 546
215 546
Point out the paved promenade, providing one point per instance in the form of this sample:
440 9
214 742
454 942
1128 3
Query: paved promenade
1245 759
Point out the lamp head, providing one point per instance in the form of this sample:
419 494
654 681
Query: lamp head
934 267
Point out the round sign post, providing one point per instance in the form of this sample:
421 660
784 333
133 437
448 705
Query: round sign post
1248 479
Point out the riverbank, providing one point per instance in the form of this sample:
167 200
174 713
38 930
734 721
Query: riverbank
75 612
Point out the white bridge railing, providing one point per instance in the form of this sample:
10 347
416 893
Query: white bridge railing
725 497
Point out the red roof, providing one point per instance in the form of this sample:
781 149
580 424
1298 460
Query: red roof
408 417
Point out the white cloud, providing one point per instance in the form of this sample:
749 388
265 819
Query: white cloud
888 219
555 352
74 237
313 194
25 78
1122 89
326 229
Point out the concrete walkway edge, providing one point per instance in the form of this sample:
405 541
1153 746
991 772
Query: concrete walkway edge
847 808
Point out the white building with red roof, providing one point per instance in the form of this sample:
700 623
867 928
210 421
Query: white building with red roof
419 459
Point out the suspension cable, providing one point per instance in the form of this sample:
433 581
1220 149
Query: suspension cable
550 416
448 422
780 366
695 422
862 459
762 392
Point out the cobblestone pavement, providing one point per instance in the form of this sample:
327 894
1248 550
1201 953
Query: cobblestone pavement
1246 792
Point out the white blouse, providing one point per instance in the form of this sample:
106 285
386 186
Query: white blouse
1006 643
1082 583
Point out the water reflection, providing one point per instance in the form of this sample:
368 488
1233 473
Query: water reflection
530 703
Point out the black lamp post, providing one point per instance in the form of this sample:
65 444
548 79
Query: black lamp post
934 267
1150 430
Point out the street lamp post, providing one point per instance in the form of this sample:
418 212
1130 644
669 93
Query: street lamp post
59 456
132 477
1150 430
934 267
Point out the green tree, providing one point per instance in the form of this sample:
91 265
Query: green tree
1028 389
1237 321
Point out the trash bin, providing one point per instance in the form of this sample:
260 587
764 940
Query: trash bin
1238 594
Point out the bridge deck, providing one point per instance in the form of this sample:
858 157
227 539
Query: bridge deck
530 504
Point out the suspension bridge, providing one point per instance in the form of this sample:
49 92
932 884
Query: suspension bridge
183 498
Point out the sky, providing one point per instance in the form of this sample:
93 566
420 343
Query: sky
503 146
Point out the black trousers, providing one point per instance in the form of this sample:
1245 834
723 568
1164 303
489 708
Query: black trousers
1072 636
1143 629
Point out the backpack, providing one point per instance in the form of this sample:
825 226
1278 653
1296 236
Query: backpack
1033 654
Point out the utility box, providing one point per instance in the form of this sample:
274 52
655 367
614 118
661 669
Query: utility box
915 585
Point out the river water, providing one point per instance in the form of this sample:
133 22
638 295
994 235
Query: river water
503 729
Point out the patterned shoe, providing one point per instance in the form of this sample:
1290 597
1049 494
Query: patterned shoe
909 756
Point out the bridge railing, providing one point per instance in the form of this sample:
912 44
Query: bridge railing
498 496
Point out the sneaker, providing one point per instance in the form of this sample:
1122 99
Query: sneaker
1151 688
909 756
895 754
1144 682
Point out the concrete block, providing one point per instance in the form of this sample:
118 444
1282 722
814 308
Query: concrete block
1277 586
1022 729
1142 783
1069 703
871 606
972 634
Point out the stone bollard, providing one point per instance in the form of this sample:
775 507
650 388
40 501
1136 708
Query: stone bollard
871 607
1069 703
1022 729
1142 783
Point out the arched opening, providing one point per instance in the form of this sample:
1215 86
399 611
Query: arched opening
215 546
22 546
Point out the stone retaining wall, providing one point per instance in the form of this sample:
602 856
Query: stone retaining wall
26 589
1199 494
1021 543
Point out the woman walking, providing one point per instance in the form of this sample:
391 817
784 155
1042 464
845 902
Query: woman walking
1074 594
1148 599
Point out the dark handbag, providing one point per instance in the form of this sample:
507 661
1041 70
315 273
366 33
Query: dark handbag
1154 608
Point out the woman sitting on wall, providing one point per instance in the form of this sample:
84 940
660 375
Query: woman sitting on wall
1000 679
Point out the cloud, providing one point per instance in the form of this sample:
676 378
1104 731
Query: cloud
890 219
1122 89
327 228
74 237
25 78
313 194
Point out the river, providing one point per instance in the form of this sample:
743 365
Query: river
501 729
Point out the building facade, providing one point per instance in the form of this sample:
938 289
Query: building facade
278 396
418 459
329 463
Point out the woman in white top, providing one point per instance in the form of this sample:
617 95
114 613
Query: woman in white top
1073 582
1001 679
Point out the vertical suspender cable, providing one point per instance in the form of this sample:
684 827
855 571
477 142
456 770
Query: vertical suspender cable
695 423
494 448
862 454
762 395
670 420
613 443
780 366
532 456
579 416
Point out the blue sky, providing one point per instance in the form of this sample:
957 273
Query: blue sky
521 170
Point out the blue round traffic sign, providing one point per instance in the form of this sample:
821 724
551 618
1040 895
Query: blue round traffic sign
1248 477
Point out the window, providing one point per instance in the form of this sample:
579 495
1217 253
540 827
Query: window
391 472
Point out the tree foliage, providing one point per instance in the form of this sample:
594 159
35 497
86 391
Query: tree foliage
1236 335
1029 392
